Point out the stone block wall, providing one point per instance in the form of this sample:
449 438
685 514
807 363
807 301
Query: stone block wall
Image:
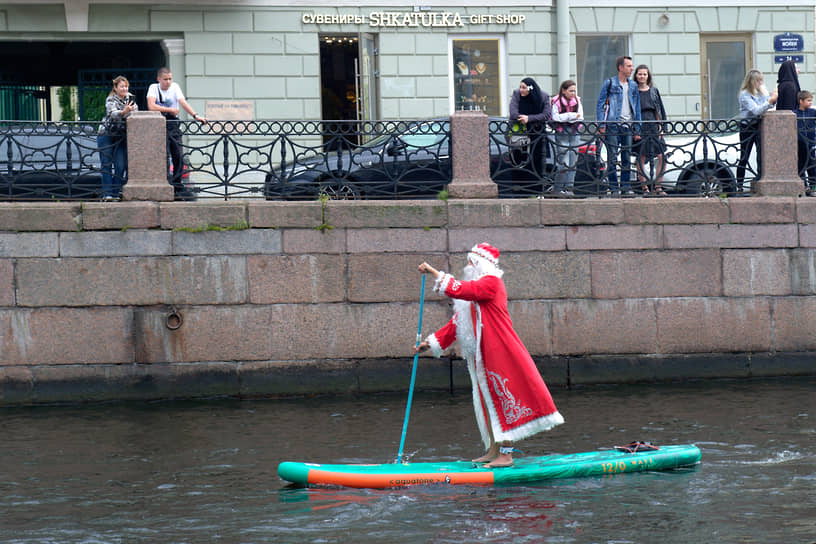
275 298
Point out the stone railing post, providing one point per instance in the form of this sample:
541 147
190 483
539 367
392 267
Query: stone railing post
147 158
780 172
470 156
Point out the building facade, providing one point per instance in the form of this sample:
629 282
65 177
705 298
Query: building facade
385 60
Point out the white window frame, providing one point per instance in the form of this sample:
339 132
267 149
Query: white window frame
505 106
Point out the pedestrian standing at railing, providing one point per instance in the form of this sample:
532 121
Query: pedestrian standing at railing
754 100
529 111
652 145
806 140
567 112
166 97
617 108
112 139
787 87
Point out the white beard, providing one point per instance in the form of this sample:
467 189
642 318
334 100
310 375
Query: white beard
464 323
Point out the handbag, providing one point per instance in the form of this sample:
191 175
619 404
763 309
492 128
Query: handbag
116 129
518 137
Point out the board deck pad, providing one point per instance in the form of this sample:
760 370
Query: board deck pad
525 469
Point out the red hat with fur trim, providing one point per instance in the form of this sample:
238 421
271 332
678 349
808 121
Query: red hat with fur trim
487 252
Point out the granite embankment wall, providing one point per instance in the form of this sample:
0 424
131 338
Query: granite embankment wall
148 300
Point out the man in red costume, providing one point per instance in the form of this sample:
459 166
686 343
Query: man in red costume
511 400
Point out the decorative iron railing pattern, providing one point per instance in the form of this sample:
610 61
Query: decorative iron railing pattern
305 159
48 161
614 159
297 160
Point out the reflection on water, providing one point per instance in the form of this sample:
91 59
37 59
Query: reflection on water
206 471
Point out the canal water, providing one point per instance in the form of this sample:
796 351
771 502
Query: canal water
193 472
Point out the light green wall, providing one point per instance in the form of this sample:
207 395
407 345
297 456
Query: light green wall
673 50
268 55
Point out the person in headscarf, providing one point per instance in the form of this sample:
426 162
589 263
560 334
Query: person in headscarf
787 87
529 111
510 398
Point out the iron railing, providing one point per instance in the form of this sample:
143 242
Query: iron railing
47 161
296 160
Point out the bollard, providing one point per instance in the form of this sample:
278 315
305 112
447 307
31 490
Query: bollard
470 156
780 175
147 158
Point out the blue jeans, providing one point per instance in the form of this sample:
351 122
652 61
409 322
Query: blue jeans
618 139
113 158
566 148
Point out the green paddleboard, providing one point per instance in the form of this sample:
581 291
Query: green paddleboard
524 470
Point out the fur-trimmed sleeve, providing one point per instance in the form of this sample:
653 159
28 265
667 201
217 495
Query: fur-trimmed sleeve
442 282
442 339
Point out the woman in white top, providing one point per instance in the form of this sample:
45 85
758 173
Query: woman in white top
754 100
567 112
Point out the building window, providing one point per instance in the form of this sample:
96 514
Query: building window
595 57
476 74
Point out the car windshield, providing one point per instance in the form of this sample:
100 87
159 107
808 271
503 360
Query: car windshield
419 135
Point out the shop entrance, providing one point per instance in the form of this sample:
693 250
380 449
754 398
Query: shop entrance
348 77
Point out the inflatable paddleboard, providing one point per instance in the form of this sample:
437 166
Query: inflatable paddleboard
525 469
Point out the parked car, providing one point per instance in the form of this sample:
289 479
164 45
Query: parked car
41 161
705 164
413 162
53 161
701 158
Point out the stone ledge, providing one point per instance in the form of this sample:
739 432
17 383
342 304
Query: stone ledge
352 214
40 216
428 214
200 215
493 212
120 215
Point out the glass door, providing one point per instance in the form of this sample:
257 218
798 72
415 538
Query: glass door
367 79
724 61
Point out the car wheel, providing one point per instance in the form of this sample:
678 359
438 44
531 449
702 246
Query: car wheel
706 180
339 190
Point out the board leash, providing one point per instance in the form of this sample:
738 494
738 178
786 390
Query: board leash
413 372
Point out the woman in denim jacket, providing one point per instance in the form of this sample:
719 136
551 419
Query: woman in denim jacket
616 112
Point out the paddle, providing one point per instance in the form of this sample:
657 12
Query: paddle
413 372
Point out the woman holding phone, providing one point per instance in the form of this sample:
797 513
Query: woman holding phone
112 139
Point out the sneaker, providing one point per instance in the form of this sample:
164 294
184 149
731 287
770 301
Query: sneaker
569 193
629 192
109 198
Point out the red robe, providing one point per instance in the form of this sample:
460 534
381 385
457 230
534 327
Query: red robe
509 394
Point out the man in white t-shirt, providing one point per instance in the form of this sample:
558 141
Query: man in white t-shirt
166 97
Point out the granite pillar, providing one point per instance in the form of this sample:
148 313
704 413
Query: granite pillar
147 158
780 176
471 156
